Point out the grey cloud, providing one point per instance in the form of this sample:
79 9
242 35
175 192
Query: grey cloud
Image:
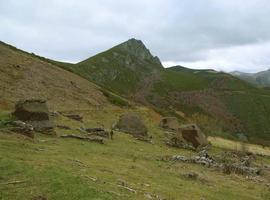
177 31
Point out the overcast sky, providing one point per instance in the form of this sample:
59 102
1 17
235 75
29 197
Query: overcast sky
221 34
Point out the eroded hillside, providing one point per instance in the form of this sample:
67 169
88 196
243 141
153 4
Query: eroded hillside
24 76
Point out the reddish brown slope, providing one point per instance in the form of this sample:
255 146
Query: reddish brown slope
25 76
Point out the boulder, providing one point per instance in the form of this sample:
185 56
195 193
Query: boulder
131 123
169 123
192 134
34 112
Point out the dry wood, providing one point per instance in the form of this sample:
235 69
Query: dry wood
91 139
91 178
78 162
14 182
127 188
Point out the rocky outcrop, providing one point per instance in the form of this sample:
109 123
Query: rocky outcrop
34 112
131 123
137 49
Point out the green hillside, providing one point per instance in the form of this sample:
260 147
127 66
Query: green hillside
239 106
232 105
119 69
49 167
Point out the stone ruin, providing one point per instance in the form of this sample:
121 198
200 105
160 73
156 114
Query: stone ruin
36 113
191 133
131 123
169 123
187 136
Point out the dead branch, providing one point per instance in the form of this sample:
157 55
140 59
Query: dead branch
14 182
90 139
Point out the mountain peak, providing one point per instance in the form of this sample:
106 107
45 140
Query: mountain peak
134 41
137 49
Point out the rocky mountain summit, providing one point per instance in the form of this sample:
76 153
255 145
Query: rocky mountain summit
121 69
137 49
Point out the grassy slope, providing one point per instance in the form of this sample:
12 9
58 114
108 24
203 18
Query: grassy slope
58 168
114 69
111 75
251 105
240 99
23 75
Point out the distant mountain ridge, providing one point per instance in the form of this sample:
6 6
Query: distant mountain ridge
260 78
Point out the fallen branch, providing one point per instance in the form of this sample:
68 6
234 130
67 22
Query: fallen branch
90 139
91 178
127 188
14 182
78 162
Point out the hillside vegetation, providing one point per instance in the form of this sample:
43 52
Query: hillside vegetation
232 107
48 167
24 76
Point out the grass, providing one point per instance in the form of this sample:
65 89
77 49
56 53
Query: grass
257 120
115 99
4 117
239 146
58 168
183 81
50 181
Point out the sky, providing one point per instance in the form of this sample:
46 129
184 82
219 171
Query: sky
225 35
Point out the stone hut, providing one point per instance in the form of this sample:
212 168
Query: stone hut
187 136
131 123
34 112
169 123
